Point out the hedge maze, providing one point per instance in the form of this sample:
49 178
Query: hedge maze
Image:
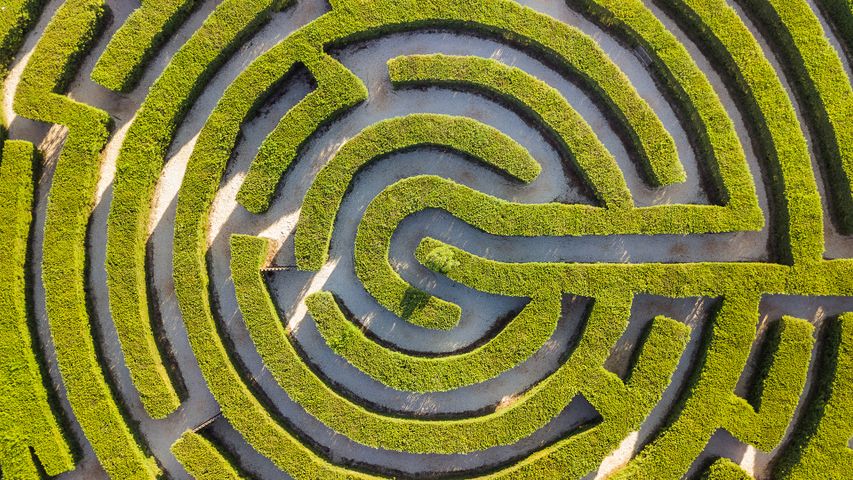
319 239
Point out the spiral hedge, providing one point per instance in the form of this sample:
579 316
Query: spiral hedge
426 239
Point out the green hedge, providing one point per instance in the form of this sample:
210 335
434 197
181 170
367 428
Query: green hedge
319 209
725 469
529 412
26 419
201 458
16 18
741 213
840 14
278 151
819 443
522 337
136 42
624 411
64 42
569 49
799 221
709 403
611 285
713 130
532 97
138 168
204 170
500 217
822 82
623 405
526 333
472 138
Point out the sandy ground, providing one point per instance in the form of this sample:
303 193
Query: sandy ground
367 60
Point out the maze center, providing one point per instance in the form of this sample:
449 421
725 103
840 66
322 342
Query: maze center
318 239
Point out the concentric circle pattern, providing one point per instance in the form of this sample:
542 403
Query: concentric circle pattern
515 239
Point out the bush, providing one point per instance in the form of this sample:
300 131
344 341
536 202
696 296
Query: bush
725 469
441 260
529 412
623 404
201 458
316 219
840 14
136 42
27 421
68 37
694 97
138 167
16 18
525 333
819 445
822 82
569 49
799 227
534 99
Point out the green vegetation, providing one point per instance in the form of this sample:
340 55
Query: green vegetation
316 220
476 140
715 134
138 167
499 217
529 412
51 66
623 404
819 446
532 97
761 422
136 42
441 260
523 336
566 47
33 444
26 420
342 90
799 223
16 18
202 459
239 405
724 469
840 14
822 82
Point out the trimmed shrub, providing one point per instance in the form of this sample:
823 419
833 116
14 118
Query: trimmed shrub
16 18
695 98
532 97
709 403
343 90
580 374
819 445
316 220
26 419
64 42
840 14
136 42
725 469
201 458
441 260
612 286
138 167
799 221
566 47
526 333
823 84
